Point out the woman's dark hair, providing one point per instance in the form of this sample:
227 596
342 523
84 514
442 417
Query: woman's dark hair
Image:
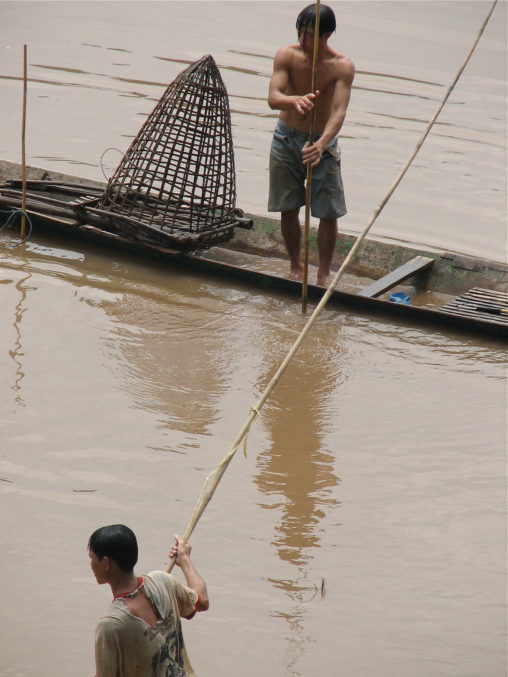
307 18
118 542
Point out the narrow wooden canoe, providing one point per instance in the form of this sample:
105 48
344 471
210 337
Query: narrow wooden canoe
474 290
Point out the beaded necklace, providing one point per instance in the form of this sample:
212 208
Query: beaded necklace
133 593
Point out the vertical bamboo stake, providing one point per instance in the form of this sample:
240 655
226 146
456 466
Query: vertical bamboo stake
308 182
23 150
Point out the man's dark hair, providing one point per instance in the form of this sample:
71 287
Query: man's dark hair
307 18
117 542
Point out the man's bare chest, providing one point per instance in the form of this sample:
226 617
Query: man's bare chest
301 78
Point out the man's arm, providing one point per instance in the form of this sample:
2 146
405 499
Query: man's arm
277 97
340 102
181 551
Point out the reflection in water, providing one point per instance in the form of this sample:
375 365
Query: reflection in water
150 348
160 368
298 472
150 341
17 353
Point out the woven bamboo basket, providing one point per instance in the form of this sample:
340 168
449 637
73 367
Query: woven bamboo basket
176 185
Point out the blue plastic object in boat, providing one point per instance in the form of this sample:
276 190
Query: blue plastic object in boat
400 297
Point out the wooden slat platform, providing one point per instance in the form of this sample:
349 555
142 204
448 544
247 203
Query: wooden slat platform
416 265
467 305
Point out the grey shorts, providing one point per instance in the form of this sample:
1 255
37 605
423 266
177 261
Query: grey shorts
288 174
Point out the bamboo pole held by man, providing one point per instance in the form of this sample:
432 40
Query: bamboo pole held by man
306 237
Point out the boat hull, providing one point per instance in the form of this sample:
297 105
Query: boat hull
450 273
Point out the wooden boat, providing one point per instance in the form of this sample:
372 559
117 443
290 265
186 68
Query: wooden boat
442 289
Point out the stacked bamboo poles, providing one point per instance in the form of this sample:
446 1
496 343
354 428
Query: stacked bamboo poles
213 479
308 189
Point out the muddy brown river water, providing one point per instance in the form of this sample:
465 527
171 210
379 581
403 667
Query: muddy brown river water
365 532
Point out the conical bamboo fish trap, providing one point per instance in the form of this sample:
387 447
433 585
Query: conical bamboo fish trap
175 186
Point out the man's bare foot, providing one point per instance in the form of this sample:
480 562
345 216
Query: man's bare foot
295 274
323 280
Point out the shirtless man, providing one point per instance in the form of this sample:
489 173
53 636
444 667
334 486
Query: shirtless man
290 93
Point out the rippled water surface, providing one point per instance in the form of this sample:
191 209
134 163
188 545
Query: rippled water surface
365 531
363 534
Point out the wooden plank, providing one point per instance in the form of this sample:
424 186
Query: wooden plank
416 265
58 186
60 220
472 304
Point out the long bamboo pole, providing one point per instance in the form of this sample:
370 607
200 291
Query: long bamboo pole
214 477
23 149
308 182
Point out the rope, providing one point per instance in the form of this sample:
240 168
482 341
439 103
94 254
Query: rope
213 479
102 158
10 221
